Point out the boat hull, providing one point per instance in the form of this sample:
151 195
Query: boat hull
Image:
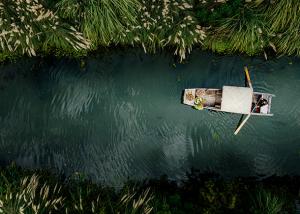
213 98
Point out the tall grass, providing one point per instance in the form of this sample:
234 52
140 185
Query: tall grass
283 13
245 32
284 19
103 22
84 199
152 24
164 23
34 195
26 25
131 202
267 203
24 191
30 196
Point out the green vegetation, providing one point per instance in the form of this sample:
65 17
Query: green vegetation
102 22
75 27
167 23
244 32
265 202
27 26
25 191
283 18
211 12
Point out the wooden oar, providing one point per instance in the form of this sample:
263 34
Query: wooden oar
248 76
248 116
242 124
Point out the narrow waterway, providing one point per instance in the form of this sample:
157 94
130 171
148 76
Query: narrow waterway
120 116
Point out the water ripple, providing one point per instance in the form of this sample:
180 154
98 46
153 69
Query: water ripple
121 118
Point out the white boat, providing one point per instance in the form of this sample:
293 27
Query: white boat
232 99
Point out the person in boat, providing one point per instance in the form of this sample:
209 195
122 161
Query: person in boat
199 103
263 102
261 105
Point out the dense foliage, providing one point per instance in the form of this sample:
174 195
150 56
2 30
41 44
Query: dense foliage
27 26
25 191
103 22
70 27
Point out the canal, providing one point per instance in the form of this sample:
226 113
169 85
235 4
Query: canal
119 116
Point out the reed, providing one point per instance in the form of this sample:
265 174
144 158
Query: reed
284 20
164 23
103 22
25 191
26 25
282 14
244 32
30 196
251 27
265 202
131 202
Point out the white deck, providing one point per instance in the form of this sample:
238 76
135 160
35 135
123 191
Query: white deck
236 99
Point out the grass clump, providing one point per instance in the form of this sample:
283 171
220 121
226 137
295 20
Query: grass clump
210 12
164 23
245 32
226 26
103 22
284 20
266 202
30 196
28 26
24 191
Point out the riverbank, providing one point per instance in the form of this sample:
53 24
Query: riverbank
39 191
71 28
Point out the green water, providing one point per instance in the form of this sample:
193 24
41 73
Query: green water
120 117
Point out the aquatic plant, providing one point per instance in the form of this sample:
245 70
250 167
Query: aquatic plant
164 23
209 12
87 198
103 22
131 202
25 191
248 26
30 196
26 26
284 20
283 13
245 32
267 203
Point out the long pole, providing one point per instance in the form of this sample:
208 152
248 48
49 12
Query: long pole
242 124
248 116
248 76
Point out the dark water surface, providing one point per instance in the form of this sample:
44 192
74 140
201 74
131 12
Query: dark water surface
120 117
